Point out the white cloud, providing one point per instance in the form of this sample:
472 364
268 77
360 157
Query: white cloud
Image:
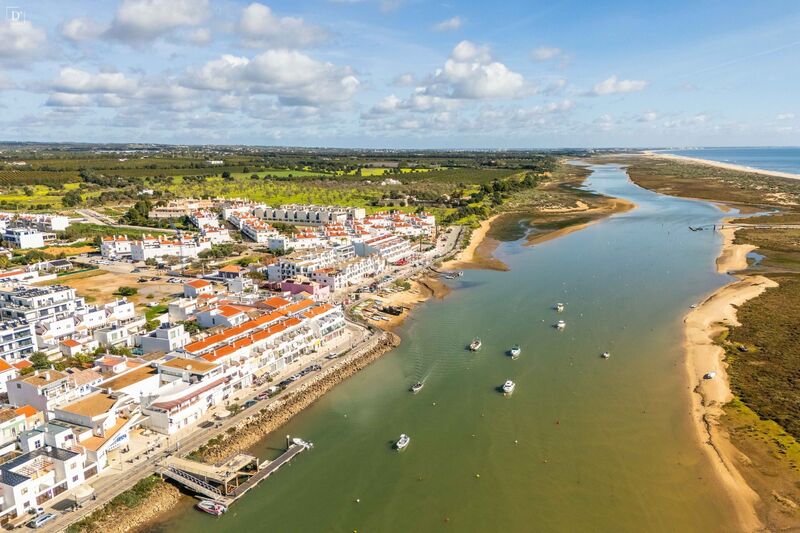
199 36
261 28
20 42
76 81
545 53
450 24
785 116
649 116
82 29
417 102
471 73
68 100
404 80
613 85
139 21
293 77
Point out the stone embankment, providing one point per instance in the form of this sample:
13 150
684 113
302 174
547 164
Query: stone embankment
253 429
122 516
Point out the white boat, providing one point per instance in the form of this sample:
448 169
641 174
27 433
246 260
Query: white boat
211 507
605 355
402 442
559 307
710 375
508 387
416 387
475 345
561 324
515 351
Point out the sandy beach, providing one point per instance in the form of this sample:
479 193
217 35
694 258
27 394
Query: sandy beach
613 206
719 164
708 396
422 289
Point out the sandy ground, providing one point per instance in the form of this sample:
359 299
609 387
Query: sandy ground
478 253
726 166
99 288
701 326
421 290
612 207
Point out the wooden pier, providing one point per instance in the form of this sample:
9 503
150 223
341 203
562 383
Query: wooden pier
229 481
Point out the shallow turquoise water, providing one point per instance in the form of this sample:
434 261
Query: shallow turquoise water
583 444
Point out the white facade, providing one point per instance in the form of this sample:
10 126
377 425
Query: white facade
115 247
313 215
165 338
391 247
24 238
159 247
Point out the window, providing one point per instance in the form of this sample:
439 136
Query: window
74 478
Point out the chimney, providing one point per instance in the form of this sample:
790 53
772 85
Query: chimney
47 376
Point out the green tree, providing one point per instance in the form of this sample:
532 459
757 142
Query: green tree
72 198
127 291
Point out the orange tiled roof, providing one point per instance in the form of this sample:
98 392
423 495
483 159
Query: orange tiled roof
234 269
4 366
199 283
70 343
318 310
26 410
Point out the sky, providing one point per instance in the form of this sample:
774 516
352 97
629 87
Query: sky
403 73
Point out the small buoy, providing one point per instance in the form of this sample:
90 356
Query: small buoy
358 500
516 441
477 475
434 403
473 435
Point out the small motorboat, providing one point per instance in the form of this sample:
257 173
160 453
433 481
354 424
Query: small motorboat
605 355
693 306
475 345
559 307
402 442
416 387
561 324
515 351
709 375
211 507
508 387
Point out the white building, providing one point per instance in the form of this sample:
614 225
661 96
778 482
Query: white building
44 389
349 272
34 478
115 247
302 263
392 248
202 218
159 247
312 215
166 338
25 238
17 339
216 235
196 287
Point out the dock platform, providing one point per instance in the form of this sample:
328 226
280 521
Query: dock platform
228 482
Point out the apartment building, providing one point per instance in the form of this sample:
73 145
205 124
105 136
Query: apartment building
43 389
49 310
27 238
150 247
350 272
42 222
202 218
302 263
313 215
115 247
392 248
165 338
17 339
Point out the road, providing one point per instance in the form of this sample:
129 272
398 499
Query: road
108 486
93 217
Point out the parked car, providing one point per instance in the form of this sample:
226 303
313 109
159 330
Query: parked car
41 520
249 403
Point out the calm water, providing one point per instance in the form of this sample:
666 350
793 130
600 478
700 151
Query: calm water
778 159
583 444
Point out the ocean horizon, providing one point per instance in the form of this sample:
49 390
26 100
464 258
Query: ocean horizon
779 159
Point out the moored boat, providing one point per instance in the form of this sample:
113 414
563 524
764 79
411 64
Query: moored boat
211 507
509 386
475 345
515 351
559 307
402 442
416 387
561 324
605 355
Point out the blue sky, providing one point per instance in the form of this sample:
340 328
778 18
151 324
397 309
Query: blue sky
402 73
